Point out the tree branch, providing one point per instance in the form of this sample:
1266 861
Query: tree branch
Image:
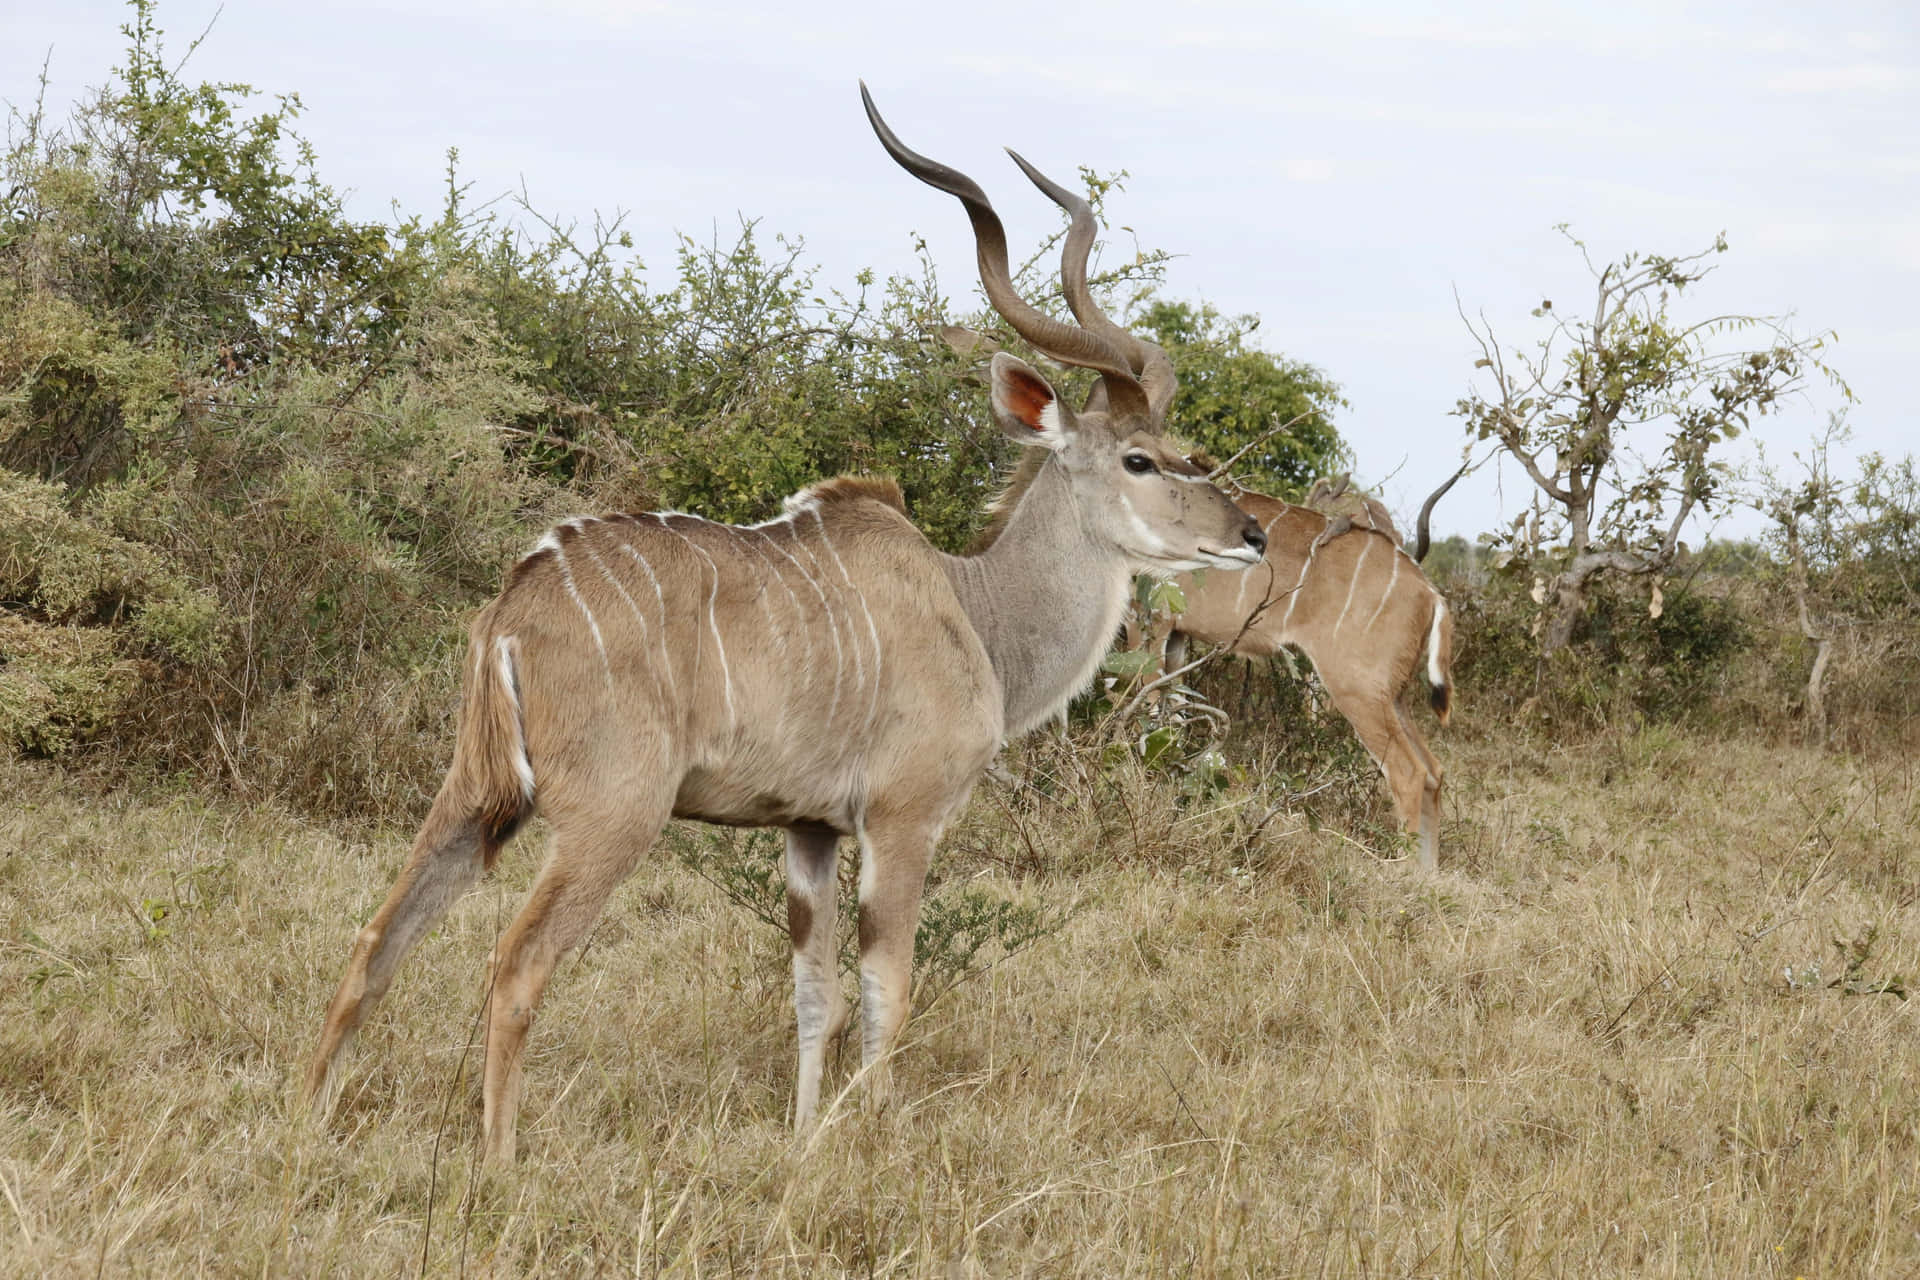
1532 466
1264 436
1611 559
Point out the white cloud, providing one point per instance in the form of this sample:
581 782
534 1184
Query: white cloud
1451 31
1307 169
1863 78
1892 241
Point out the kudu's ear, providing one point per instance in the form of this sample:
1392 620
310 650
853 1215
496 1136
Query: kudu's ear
1026 406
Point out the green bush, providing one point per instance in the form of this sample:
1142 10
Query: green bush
259 462
1624 662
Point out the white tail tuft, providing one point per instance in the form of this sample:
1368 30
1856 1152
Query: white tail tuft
1436 675
510 682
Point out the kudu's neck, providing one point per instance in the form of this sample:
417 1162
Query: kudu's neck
1045 598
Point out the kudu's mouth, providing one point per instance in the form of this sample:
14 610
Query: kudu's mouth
1233 558
1249 551
1237 559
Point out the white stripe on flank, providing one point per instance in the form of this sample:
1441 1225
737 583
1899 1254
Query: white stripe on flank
778 629
1365 547
566 580
793 597
833 621
645 630
666 657
859 667
503 647
713 622
1293 597
779 633
1388 593
1436 677
873 633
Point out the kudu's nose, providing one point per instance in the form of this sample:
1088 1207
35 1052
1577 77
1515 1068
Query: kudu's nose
1255 539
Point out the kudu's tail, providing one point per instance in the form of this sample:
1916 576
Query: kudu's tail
491 779
1440 658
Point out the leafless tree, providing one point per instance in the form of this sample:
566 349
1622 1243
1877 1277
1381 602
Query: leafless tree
1615 417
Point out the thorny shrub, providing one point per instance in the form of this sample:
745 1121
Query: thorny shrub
259 462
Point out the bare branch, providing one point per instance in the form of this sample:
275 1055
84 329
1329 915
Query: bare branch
1132 704
1260 439
1530 463
1611 559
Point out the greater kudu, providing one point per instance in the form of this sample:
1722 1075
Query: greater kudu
1341 590
829 672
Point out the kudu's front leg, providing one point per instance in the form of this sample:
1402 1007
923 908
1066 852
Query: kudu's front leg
895 853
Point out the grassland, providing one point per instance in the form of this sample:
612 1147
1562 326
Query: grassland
1635 1027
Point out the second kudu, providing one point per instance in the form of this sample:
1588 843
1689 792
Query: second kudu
829 672
1342 591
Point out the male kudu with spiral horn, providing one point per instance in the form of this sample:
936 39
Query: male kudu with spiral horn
829 672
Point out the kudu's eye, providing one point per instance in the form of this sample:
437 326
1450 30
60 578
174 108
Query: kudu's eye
1138 463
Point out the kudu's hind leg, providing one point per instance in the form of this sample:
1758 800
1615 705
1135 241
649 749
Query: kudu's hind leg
1385 734
448 856
1411 782
1431 776
589 858
813 886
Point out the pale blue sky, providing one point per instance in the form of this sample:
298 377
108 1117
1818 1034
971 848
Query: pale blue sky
1340 171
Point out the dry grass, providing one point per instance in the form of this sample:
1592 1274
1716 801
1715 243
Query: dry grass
1596 1044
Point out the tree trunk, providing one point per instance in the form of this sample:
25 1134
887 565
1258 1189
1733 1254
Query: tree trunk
1570 588
1570 606
1817 692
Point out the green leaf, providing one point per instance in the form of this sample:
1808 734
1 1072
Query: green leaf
1155 745
1168 595
1127 662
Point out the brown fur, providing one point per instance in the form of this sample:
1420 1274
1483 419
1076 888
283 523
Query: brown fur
799 922
881 489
